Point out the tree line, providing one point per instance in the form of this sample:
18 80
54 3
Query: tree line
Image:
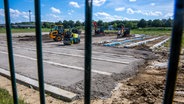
137 24
114 24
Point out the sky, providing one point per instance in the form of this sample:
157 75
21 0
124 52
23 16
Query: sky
105 10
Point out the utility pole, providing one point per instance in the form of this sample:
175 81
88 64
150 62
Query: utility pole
29 15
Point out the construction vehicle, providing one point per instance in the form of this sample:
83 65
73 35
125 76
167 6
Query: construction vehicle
123 32
57 32
71 37
99 30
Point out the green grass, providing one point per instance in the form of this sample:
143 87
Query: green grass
167 44
110 30
3 30
152 31
182 43
6 98
159 31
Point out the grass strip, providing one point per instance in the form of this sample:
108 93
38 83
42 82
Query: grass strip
6 98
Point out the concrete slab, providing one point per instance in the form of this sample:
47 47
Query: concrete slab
64 65
63 94
60 64
160 65
55 75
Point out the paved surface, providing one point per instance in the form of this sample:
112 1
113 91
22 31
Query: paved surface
64 65
63 94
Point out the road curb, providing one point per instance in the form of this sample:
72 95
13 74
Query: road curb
55 91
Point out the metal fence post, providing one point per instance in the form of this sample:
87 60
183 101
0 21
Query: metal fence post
39 51
88 49
10 51
175 51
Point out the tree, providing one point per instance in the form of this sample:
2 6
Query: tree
45 25
106 25
77 23
149 22
115 25
157 23
71 23
163 22
58 23
119 24
142 23
134 23
168 23
65 24
129 24
100 23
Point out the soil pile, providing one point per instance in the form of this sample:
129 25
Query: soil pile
33 38
146 92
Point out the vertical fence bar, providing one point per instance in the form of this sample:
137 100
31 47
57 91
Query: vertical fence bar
10 51
174 52
88 49
39 51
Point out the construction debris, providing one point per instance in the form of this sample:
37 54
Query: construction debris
137 41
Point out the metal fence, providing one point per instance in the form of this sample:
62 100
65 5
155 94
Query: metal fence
173 59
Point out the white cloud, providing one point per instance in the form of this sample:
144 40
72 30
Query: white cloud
155 13
74 4
129 19
106 17
2 12
169 15
52 17
132 0
130 11
147 13
15 13
120 9
70 12
55 10
55 16
152 4
25 15
98 2
2 21
16 16
102 14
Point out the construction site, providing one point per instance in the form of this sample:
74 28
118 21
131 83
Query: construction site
126 70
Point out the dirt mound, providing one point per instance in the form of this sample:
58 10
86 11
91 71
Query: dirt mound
142 47
32 38
146 92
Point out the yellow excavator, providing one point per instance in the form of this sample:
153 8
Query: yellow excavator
57 32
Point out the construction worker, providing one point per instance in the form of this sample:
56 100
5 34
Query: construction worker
121 31
75 37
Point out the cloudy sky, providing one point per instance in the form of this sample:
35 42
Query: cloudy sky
106 10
